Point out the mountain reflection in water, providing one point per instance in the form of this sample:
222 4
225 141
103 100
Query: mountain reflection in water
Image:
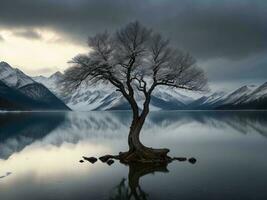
18 130
42 151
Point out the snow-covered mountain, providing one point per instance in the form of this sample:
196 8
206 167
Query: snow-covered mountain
21 92
245 97
258 94
11 99
47 91
13 77
51 82
208 102
239 95
103 96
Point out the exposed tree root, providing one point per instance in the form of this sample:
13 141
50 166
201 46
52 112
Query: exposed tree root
144 155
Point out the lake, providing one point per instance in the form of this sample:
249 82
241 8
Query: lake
40 154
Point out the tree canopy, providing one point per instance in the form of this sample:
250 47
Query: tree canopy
135 59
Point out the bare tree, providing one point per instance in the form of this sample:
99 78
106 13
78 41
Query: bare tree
135 60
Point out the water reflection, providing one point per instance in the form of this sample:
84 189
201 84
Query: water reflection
18 130
242 121
133 190
42 150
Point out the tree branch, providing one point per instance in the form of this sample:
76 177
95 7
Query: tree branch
135 59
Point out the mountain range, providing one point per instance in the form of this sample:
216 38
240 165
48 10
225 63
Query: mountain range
247 97
104 97
22 92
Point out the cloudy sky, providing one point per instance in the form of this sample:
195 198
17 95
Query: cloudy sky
228 37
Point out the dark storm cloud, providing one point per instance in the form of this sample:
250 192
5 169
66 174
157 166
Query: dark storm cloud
208 28
29 34
253 67
232 30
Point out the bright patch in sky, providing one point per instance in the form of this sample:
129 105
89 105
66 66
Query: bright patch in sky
44 55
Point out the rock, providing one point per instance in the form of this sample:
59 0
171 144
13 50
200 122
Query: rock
192 160
104 158
181 159
81 161
90 159
110 162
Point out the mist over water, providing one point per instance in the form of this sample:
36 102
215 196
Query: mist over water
40 153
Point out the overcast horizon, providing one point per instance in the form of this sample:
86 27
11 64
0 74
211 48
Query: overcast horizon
228 38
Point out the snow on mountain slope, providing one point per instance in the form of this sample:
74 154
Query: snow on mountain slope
257 94
40 93
216 97
13 77
247 97
208 102
233 100
27 94
51 82
103 96
239 95
25 98
93 97
168 94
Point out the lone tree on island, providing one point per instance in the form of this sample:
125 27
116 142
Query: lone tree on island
135 60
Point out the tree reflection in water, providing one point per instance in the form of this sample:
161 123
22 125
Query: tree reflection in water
133 190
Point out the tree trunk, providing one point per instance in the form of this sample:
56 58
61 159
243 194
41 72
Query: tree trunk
134 135
137 151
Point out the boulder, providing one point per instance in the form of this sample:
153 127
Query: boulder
110 162
104 158
192 160
90 159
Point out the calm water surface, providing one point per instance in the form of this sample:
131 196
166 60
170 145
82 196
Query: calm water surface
40 153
